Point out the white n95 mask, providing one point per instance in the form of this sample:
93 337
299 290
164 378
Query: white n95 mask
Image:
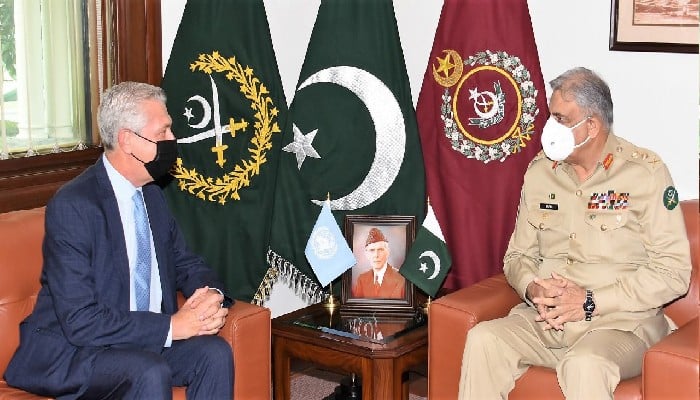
558 141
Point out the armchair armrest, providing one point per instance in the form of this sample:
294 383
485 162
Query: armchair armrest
450 318
671 367
247 330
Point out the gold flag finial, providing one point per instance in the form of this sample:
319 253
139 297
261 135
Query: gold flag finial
425 307
331 302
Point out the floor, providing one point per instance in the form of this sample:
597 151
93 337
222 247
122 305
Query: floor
311 383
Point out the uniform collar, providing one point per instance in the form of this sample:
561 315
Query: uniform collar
607 159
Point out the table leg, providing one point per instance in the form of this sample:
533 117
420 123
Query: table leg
400 384
367 376
281 369
382 384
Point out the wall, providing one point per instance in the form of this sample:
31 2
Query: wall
655 94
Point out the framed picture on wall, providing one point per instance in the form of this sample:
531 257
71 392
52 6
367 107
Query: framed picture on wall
374 284
654 25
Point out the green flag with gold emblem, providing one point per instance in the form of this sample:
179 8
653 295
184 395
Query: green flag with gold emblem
226 100
351 134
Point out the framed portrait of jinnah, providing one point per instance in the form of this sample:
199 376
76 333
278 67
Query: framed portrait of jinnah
380 244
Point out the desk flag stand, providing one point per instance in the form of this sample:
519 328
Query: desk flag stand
331 302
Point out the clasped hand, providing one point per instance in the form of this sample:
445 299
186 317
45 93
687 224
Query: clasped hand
201 314
558 301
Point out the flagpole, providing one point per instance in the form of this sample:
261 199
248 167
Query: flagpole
331 302
426 306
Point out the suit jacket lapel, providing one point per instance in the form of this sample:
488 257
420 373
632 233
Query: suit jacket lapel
160 230
116 231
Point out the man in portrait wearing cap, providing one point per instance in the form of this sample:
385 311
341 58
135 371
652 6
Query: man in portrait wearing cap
382 280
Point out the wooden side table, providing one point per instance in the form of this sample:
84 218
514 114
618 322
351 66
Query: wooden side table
383 367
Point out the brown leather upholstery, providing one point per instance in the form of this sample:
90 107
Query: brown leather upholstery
247 326
670 370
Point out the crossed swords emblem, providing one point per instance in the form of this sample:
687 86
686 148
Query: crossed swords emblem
218 130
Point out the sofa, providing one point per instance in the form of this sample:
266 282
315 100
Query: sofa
247 327
670 368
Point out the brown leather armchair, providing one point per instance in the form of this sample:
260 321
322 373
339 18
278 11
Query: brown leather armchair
247 327
671 367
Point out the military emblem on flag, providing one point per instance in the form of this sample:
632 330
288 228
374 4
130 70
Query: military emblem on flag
327 251
226 101
477 94
428 259
227 186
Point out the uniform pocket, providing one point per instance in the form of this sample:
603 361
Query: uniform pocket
608 237
606 221
551 231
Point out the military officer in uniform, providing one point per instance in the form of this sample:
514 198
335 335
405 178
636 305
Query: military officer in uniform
382 280
598 247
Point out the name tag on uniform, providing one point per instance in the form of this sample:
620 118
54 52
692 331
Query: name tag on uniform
549 206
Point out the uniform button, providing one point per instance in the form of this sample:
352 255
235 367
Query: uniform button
618 149
572 235
541 226
635 154
645 156
569 261
603 227
579 193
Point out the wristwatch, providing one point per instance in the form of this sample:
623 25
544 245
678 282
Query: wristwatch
589 305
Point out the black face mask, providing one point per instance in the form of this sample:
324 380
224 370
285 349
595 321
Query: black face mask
166 154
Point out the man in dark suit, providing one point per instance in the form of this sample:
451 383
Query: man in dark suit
382 280
106 323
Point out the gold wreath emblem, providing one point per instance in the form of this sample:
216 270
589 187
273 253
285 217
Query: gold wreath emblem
452 61
521 130
219 189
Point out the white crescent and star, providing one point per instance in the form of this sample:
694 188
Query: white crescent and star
206 112
389 127
218 129
436 263
474 95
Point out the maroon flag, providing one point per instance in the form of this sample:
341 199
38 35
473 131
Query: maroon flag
480 113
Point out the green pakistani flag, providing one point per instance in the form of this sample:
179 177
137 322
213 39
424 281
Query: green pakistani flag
226 100
428 260
351 134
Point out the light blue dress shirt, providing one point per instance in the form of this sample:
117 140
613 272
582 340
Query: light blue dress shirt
124 190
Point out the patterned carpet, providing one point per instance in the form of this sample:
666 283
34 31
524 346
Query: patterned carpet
309 383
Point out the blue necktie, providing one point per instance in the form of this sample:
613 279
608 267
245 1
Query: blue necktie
142 272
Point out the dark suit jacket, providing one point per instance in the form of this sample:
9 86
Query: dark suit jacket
392 287
83 304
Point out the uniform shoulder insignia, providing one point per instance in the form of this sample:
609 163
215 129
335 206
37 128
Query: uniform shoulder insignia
670 198
639 155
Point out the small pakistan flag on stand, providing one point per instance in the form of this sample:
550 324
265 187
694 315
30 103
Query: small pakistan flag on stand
327 251
428 260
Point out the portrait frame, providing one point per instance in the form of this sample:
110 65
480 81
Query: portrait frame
400 231
639 26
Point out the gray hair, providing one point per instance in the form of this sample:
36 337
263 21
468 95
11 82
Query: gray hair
120 107
588 90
